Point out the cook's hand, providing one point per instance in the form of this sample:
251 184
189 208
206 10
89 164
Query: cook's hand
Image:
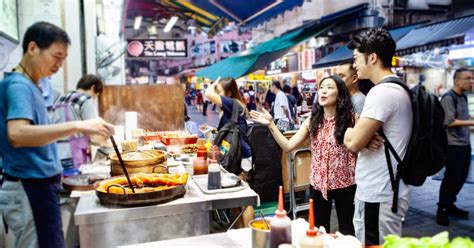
264 117
375 143
96 127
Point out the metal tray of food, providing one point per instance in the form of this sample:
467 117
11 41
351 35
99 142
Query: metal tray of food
142 199
230 183
118 198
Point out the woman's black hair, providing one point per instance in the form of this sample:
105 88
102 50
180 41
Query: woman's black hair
344 111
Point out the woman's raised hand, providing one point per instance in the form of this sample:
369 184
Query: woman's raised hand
264 117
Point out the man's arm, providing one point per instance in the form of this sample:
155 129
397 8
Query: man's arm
358 137
212 95
449 107
287 113
22 134
461 123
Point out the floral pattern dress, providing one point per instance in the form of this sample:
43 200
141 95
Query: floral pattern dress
332 164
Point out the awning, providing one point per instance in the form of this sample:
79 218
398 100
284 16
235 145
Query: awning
267 52
344 53
247 13
446 30
262 54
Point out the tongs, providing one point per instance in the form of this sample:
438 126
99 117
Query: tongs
121 163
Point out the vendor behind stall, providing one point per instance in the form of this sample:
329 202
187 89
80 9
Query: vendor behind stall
77 105
32 173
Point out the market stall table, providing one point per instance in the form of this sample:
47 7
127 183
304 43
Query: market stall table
232 238
105 226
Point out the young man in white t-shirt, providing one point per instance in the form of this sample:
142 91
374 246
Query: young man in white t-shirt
281 108
387 106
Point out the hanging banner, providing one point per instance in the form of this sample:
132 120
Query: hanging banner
157 48
203 49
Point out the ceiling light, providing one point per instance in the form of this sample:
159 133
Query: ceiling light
170 24
152 30
138 22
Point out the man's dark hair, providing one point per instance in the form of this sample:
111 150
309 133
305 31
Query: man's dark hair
375 40
276 84
459 71
287 89
350 64
250 87
44 34
87 81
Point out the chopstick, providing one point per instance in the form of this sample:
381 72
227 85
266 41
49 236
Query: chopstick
121 163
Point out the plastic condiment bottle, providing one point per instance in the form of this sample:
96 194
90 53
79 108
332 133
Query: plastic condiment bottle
213 175
201 151
215 153
280 231
311 240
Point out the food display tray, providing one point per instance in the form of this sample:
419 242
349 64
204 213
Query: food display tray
201 182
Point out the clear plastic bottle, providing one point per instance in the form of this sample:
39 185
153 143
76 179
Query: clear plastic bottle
311 240
280 231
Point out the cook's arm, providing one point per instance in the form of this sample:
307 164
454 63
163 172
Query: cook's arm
21 133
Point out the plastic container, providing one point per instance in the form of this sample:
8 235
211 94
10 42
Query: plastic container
199 166
201 151
311 240
260 236
214 175
280 232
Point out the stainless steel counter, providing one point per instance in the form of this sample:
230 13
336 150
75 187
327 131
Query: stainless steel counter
104 226
234 238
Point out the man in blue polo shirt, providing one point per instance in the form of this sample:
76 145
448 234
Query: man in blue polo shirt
32 171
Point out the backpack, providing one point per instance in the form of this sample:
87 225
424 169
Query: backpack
80 145
427 147
266 174
452 94
252 100
228 141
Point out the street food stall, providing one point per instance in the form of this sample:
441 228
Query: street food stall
166 197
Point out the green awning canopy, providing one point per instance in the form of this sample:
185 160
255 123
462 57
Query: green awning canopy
262 54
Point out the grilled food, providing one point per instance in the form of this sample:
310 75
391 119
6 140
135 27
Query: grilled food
192 148
142 183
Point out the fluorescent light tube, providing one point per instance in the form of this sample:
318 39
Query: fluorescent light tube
170 24
138 22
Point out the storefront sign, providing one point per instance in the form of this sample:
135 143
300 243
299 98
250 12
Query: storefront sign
230 46
278 66
157 48
203 49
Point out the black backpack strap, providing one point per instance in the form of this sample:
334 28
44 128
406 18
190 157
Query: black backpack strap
394 178
453 95
235 112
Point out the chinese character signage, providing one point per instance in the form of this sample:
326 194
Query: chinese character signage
154 48
278 66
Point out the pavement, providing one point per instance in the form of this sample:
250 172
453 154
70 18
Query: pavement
420 219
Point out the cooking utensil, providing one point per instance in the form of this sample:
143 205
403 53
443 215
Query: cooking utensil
263 218
148 161
260 238
121 163
83 182
141 199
